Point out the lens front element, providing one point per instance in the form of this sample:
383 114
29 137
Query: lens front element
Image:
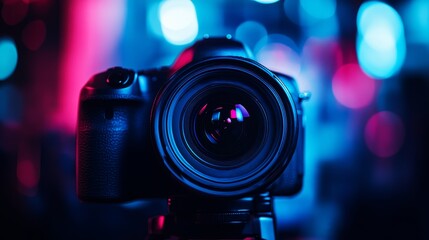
227 124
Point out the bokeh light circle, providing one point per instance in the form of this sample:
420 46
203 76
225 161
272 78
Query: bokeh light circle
279 53
179 22
34 34
250 32
380 43
352 87
8 57
375 14
13 12
384 134
319 9
27 173
266 1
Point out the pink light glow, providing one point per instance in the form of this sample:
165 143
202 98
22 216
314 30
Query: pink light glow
34 34
14 11
323 54
27 174
281 58
384 134
202 109
352 87
92 31
186 57
157 223
233 114
28 168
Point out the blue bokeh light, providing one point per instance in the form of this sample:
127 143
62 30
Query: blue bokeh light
319 9
266 1
306 13
250 32
8 57
179 23
380 44
416 18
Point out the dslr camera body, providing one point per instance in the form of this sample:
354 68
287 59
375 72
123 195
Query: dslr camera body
215 124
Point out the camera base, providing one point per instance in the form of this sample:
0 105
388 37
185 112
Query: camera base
249 218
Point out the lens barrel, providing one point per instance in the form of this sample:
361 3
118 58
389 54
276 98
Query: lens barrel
225 126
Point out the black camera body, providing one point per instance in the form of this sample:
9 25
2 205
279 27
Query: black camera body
216 123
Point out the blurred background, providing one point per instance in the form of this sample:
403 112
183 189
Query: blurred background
366 64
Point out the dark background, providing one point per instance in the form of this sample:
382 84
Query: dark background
366 64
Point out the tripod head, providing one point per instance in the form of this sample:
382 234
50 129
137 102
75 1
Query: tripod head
248 218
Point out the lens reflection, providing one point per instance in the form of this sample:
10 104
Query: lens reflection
227 125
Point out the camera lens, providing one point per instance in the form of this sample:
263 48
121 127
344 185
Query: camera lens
225 126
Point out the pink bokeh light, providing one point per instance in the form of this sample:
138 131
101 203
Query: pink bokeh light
27 173
384 134
34 34
352 87
281 58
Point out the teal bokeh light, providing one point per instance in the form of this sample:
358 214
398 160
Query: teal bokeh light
250 32
8 57
319 9
179 22
380 43
266 1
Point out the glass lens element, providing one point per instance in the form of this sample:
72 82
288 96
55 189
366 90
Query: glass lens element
227 124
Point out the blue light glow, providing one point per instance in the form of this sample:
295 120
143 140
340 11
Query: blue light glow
319 9
250 32
8 57
416 19
179 22
380 63
215 116
379 15
135 204
242 110
291 9
327 28
319 14
266 1
11 104
239 114
153 19
143 83
380 42
267 227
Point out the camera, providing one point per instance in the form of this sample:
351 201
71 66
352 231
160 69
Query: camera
216 123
